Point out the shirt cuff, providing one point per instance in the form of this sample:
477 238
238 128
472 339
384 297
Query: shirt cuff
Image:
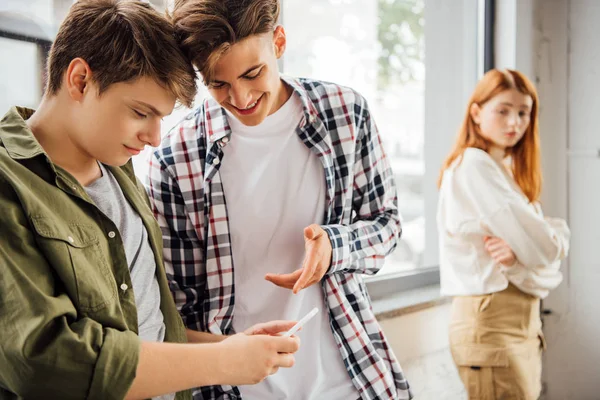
116 366
340 237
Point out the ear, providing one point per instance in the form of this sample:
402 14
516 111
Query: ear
279 41
78 78
475 112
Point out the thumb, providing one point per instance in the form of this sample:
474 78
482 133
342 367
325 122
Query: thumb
309 233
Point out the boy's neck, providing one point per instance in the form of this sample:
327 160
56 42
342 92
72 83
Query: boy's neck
283 94
50 126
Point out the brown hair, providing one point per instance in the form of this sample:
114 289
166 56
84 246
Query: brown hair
525 154
121 41
206 29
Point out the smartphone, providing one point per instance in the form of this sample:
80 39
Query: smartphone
299 324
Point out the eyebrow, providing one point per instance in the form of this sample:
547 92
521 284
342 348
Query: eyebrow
150 107
512 105
252 68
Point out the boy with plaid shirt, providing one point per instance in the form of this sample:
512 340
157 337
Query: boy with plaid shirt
235 184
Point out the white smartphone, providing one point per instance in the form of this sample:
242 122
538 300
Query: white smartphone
299 324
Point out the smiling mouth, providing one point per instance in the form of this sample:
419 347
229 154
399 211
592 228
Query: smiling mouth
250 109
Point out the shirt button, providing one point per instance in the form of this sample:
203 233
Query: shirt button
216 161
225 140
124 286
111 234
71 239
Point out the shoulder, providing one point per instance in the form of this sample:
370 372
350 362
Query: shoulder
477 158
477 170
329 97
186 138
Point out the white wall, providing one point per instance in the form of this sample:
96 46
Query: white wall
570 29
556 45
420 341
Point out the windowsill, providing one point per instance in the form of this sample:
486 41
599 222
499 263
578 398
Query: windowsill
409 301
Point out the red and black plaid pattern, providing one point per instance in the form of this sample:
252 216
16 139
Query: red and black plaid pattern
362 221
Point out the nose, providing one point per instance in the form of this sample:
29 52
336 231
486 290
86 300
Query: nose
240 96
513 119
151 136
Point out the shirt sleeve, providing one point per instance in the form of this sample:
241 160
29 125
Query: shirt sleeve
504 212
362 246
537 281
45 347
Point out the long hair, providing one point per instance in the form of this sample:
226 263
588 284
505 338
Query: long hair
525 155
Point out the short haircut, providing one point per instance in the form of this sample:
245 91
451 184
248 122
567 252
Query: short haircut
121 40
206 29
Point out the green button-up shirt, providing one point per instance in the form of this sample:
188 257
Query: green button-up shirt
68 319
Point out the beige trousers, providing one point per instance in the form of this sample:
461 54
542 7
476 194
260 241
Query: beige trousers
496 341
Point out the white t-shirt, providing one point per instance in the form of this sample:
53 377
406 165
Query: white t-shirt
274 188
479 197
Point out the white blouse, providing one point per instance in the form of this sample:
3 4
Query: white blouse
479 197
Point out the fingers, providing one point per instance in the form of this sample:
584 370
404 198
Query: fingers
286 360
313 266
495 243
313 232
504 256
494 248
309 268
501 257
498 253
286 344
285 280
270 328
313 235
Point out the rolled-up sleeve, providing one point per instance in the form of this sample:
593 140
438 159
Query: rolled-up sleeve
361 247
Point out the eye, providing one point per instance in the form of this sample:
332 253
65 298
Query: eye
139 114
523 114
251 77
216 85
503 112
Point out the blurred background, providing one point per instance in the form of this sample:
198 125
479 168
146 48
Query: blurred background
376 47
416 62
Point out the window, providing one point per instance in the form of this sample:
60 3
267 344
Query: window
377 47
374 46
22 64
25 37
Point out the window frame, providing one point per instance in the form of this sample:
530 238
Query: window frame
22 29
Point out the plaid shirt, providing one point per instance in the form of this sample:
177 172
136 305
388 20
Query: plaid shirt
361 219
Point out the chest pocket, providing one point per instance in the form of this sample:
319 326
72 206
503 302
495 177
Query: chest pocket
74 252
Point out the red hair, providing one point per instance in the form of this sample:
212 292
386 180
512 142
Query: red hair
525 154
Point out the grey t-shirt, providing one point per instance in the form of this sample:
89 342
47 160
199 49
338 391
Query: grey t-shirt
109 198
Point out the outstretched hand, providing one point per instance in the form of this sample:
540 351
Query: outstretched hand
316 263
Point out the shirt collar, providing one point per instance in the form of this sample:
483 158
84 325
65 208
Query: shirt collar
18 139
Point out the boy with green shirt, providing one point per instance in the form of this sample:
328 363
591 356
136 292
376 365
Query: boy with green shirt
84 299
